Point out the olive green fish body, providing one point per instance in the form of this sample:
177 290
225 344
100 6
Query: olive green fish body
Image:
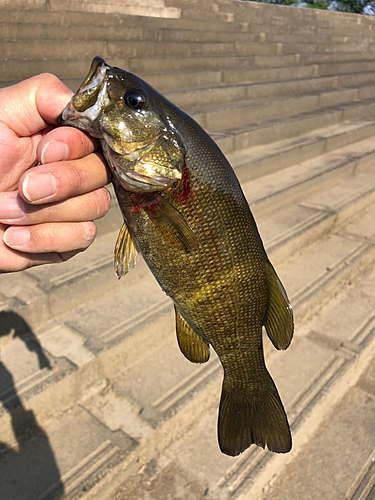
200 240
221 289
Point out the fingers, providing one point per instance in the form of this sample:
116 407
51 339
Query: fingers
59 181
50 237
42 244
90 206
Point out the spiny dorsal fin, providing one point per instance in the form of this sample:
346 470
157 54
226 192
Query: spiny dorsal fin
192 346
126 256
279 315
173 226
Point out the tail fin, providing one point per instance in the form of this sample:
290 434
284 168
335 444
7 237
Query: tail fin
253 418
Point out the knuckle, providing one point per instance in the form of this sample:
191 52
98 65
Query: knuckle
47 77
47 237
102 202
78 178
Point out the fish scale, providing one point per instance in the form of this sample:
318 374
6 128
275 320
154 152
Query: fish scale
199 239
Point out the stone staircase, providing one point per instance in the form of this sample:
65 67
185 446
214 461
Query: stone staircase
97 400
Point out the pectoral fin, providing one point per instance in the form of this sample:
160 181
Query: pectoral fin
192 346
173 226
126 256
279 316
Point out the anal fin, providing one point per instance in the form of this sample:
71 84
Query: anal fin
192 346
126 255
279 315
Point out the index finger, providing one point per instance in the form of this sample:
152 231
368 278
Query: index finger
65 143
61 180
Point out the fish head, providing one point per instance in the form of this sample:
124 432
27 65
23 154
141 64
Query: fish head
139 141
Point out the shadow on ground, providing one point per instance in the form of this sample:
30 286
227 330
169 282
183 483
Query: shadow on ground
28 469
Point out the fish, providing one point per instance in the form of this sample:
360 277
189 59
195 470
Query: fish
184 211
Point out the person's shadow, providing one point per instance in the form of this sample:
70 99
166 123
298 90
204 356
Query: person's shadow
28 471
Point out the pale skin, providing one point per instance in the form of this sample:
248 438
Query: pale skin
47 210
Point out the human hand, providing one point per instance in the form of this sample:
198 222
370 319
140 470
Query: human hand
46 211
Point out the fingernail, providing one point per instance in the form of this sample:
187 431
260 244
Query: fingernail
16 236
38 186
54 151
10 207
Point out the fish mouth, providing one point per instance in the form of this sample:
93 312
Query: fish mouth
91 97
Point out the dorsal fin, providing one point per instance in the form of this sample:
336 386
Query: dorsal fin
192 346
279 315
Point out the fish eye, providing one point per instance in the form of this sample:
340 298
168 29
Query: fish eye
135 99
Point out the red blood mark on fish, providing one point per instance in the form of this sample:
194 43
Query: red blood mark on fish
153 205
186 185
138 203
146 202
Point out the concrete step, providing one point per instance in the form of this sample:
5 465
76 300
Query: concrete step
320 212
64 68
292 184
224 78
342 29
261 20
33 15
21 30
358 62
81 48
324 38
265 32
278 15
215 95
135 8
238 138
247 68
336 58
259 161
237 114
138 8
268 75
201 6
87 49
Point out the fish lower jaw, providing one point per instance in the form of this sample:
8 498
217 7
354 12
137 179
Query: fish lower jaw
138 183
133 181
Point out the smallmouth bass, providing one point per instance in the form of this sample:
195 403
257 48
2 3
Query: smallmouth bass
185 212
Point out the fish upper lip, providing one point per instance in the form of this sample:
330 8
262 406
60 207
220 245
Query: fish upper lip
97 87
96 80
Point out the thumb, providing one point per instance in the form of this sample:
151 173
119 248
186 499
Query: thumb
29 106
